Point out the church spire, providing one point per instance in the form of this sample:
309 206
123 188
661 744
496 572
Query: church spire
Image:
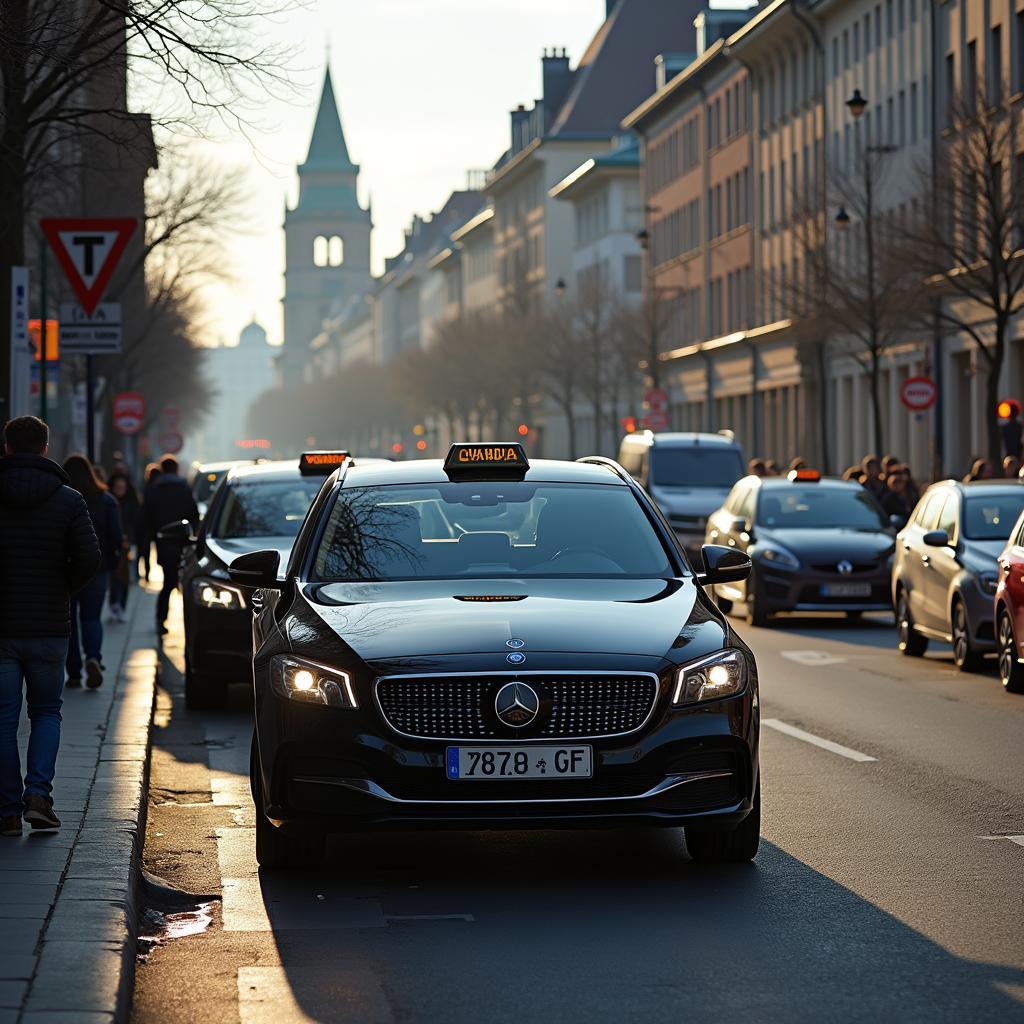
327 148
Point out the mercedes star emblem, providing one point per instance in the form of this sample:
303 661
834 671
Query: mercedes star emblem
845 568
516 704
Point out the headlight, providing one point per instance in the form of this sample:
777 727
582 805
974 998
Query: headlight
720 675
214 594
989 582
777 556
309 681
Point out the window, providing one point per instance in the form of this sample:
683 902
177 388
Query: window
888 19
835 55
320 251
846 49
856 42
782 191
913 113
971 76
1019 77
632 273
950 89
878 26
995 64
902 141
901 14
335 251
867 33
913 11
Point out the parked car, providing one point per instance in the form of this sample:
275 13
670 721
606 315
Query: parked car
946 571
817 545
1009 611
687 475
205 478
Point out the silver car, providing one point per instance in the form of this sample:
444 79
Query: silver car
945 571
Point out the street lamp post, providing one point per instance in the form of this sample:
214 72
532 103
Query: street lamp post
651 304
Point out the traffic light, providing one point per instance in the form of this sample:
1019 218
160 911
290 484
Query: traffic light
421 445
1008 409
397 447
419 430
523 429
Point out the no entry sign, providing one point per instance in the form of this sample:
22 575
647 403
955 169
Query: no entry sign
918 393
129 411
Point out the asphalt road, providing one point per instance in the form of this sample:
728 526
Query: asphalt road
888 886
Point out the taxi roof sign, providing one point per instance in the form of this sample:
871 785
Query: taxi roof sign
486 459
805 476
320 463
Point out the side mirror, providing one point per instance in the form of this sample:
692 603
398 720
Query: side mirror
180 530
936 539
256 569
723 565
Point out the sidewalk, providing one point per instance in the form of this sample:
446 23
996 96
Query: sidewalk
67 899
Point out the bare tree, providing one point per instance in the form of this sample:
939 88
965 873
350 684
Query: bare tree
968 245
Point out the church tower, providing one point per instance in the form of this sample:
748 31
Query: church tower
327 238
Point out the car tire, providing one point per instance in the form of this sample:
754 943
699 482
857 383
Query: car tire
966 658
727 846
1011 671
204 692
911 643
276 848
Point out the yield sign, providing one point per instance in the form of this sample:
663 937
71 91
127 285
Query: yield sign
88 249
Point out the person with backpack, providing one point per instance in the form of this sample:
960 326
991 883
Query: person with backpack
87 604
48 552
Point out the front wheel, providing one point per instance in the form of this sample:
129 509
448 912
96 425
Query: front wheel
967 659
1011 671
911 643
718 846
276 848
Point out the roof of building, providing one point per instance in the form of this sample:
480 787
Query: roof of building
328 150
623 159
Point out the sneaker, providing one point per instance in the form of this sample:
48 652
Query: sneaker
73 682
39 812
10 825
93 673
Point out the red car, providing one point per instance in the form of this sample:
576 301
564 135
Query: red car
1009 610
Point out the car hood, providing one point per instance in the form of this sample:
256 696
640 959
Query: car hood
450 617
689 501
225 549
830 545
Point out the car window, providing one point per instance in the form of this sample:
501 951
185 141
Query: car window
929 510
695 466
991 516
819 507
205 483
265 508
487 530
949 515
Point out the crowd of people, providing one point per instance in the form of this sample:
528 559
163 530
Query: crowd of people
889 479
73 538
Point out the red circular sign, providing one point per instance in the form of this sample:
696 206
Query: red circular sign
918 393
656 398
129 411
656 419
171 442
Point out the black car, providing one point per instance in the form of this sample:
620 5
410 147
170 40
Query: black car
817 545
485 642
256 506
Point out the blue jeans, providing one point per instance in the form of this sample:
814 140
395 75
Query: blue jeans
39 662
87 606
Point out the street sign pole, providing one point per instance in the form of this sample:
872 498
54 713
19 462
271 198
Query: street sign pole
90 411
42 330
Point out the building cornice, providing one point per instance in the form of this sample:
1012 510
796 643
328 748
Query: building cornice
689 76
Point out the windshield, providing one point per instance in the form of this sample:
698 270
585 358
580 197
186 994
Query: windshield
205 483
817 507
484 530
694 467
265 508
991 516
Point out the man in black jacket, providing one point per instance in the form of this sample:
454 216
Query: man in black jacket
168 500
48 550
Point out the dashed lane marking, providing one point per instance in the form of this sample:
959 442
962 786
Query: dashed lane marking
1019 840
812 658
818 741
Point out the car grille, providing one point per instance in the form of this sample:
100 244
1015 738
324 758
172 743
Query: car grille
463 707
857 567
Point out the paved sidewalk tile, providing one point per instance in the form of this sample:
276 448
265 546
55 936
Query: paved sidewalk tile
67 911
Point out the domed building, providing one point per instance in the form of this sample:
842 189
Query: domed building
239 373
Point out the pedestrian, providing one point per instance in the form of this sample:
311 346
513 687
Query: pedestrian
897 500
853 473
48 551
797 463
131 513
1013 432
144 542
1011 467
87 604
871 476
772 467
168 500
981 469
756 467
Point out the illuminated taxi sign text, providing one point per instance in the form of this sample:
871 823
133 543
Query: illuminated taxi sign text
805 476
483 459
321 462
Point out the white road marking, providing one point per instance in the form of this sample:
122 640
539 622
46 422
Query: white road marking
1019 840
812 658
818 741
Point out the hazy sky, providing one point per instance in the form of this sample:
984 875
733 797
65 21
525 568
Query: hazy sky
424 88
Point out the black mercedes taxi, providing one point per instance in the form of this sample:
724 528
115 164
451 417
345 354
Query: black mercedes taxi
486 642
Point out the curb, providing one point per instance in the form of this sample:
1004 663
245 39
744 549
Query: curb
86 967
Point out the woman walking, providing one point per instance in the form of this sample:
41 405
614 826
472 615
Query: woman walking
143 540
121 488
87 604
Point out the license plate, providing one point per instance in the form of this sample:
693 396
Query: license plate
846 590
519 762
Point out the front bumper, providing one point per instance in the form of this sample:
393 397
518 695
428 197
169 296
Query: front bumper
803 589
338 770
